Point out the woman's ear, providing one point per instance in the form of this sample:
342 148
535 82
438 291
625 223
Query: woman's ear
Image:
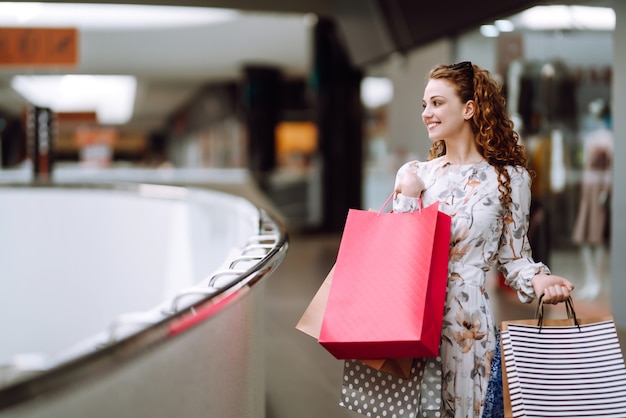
470 108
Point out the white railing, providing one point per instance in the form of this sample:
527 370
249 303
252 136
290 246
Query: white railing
194 340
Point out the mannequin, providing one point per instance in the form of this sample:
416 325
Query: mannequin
592 215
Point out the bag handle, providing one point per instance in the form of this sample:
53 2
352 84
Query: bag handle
569 308
419 205
386 203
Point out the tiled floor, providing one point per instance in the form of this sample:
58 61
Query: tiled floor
304 380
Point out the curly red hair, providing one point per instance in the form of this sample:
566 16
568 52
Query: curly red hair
494 135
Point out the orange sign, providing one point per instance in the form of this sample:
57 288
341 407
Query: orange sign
96 136
38 47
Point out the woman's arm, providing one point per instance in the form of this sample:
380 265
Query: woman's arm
529 278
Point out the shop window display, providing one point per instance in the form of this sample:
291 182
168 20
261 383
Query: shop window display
564 121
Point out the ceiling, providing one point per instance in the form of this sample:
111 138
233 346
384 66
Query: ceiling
174 63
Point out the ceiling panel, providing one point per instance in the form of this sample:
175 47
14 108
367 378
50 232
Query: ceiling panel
171 65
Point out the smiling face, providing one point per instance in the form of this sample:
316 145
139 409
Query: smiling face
444 114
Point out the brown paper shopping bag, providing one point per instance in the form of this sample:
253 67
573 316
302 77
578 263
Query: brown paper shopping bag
311 323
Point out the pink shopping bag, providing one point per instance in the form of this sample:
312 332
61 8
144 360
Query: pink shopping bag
388 290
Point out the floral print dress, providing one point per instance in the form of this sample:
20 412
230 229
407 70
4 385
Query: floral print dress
483 235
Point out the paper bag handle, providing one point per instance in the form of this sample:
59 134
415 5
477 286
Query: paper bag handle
386 203
419 205
569 308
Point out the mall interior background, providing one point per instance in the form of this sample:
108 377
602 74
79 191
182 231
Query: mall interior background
315 145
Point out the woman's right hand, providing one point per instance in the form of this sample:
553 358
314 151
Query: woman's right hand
410 185
555 289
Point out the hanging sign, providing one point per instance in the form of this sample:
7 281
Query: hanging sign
38 47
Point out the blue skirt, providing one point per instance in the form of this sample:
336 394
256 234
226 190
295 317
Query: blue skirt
494 402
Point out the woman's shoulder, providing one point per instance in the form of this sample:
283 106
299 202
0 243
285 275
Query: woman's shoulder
417 164
518 173
517 170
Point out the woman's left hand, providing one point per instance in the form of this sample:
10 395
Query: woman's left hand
555 289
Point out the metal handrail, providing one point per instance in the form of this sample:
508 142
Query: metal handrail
272 241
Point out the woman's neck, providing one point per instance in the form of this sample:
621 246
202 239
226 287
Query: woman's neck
463 161
462 154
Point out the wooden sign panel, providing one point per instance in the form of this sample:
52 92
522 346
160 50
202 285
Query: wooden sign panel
38 47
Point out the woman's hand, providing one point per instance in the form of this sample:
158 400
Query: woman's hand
410 185
555 289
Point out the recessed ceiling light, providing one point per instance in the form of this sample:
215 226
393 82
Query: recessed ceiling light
489 31
112 97
505 25
108 16
568 17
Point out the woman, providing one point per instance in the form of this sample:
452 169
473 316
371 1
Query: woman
477 172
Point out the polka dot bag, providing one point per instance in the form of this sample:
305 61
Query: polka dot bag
375 393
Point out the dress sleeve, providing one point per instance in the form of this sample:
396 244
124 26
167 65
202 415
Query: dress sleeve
514 253
403 203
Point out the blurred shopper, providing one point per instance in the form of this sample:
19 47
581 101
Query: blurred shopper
477 171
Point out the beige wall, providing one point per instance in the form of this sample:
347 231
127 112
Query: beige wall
408 74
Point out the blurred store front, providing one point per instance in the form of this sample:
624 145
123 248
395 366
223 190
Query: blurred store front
557 75
329 138
308 141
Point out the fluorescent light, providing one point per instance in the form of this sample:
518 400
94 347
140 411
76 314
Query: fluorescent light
489 31
595 18
108 16
504 25
18 13
376 91
112 97
568 17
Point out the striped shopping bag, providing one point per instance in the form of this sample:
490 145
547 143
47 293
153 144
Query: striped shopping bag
563 367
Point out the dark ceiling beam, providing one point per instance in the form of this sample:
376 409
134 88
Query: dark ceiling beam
373 29
321 7
414 23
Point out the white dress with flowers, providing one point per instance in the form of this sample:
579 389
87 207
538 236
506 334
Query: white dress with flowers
483 235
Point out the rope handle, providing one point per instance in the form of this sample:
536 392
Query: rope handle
569 309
